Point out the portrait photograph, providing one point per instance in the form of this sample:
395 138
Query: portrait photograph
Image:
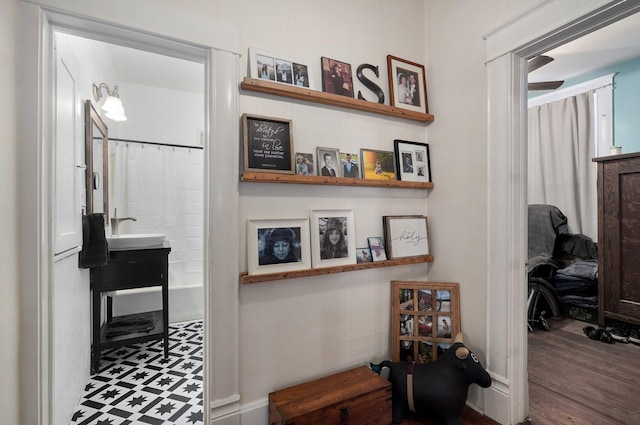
337 77
278 245
376 245
412 161
377 165
300 75
350 165
333 237
265 67
328 162
363 255
407 84
304 164
284 71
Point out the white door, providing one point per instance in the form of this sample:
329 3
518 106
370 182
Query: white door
69 162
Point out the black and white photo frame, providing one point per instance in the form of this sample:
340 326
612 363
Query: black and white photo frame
413 162
333 238
278 245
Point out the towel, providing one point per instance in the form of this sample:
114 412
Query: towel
132 323
95 251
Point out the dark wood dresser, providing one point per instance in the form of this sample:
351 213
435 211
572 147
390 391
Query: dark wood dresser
619 238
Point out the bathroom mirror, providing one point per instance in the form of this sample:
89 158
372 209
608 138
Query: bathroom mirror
97 159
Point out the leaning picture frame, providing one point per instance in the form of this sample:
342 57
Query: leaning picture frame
412 161
328 162
406 236
278 245
337 77
278 68
377 165
267 144
407 84
333 238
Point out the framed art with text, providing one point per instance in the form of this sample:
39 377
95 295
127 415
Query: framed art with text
406 236
267 144
425 319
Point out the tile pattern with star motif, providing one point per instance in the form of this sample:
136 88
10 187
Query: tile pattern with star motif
137 385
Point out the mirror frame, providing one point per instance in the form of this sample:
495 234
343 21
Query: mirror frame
92 118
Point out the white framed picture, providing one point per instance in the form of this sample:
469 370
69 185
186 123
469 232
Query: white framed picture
406 236
278 245
333 238
279 68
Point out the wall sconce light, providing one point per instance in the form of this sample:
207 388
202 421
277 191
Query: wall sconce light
112 105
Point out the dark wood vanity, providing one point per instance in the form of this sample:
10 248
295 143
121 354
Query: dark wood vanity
129 269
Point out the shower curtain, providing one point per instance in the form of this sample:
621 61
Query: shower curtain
162 187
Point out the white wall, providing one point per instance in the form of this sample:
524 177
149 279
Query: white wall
293 330
9 302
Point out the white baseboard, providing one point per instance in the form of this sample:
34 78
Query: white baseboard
185 302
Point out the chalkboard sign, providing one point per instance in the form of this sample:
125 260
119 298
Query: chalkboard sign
268 144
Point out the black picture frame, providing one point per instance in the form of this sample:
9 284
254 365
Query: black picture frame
413 162
268 144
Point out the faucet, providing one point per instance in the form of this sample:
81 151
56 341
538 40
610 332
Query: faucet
115 222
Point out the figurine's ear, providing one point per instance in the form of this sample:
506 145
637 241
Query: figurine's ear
462 353
459 338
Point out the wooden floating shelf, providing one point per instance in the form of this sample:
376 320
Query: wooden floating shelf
258 177
247 279
308 95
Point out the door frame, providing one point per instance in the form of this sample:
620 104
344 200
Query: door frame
546 25
164 30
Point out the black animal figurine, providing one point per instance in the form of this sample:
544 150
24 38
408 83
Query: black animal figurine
438 389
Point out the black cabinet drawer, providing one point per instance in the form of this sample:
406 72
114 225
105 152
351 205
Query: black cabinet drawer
133 273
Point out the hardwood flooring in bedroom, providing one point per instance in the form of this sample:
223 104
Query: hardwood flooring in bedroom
575 380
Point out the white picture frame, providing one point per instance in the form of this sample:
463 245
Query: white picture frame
282 69
326 250
406 236
261 256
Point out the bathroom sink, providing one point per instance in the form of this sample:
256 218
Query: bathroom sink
136 240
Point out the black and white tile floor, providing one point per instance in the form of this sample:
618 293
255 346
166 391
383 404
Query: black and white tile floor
137 385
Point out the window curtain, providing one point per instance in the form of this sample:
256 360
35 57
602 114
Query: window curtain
561 144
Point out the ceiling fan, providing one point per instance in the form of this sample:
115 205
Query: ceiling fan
538 62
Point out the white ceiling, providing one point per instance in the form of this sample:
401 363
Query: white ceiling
616 43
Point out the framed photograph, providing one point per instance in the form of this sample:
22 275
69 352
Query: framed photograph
350 165
279 245
412 161
268 144
279 68
304 164
377 165
337 77
425 319
407 84
406 236
376 245
328 162
333 238
363 255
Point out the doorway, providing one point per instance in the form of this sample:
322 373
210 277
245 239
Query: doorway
203 40
155 178
508 47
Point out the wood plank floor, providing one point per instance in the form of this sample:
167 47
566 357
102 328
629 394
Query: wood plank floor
575 380
468 417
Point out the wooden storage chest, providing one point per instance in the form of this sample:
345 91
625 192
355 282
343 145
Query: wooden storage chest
355 397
